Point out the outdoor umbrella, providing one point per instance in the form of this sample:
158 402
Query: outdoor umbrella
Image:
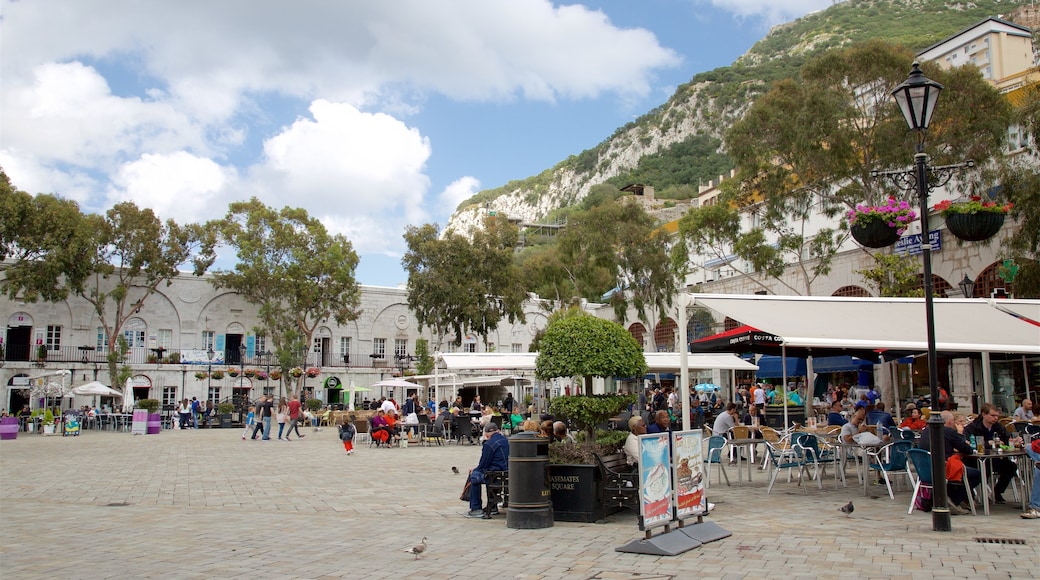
95 388
354 388
396 382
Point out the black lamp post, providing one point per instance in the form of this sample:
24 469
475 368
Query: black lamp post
267 357
241 364
916 98
209 374
967 286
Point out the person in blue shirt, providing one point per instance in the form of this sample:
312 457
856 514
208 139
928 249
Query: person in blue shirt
880 417
493 457
835 417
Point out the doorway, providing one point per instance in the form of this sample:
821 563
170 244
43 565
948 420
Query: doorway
17 345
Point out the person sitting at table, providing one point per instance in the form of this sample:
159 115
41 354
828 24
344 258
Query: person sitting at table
662 423
987 426
955 443
546 429
856 425
393 426
913 419
881 418
1024 412
560 433
494 456
726 421
184 411
636 427
835 417
380 431
476 406
531 426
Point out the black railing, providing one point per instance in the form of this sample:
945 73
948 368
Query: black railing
193 358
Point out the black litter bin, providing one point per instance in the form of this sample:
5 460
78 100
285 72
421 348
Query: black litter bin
530 502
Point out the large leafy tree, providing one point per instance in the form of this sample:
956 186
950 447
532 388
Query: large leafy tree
293 269
114 261
586 346
1021 180
611 248
807 148
458 285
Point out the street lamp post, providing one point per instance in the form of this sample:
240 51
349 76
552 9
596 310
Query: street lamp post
209 373
916 98
267 357
241 365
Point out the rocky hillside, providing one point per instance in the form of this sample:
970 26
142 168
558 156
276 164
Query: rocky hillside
706 106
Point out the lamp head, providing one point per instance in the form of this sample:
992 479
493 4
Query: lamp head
967 286
916 97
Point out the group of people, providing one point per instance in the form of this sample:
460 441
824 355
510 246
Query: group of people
259 418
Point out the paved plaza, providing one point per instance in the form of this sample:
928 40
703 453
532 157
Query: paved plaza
206 504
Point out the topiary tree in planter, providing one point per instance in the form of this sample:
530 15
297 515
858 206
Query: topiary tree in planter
313 405
150 405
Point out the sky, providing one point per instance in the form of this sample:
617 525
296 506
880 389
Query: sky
371 115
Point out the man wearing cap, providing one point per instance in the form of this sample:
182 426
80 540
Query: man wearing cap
493 457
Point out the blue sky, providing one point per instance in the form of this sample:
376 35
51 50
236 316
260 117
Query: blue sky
370 115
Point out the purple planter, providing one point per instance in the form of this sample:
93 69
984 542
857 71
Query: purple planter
154 423
9 428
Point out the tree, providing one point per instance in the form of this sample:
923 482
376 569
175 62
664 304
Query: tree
460 285
808 147
1021 180
610 249
587 346
894 275
115 262
293 270
425 363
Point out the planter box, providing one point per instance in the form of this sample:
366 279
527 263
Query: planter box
577 493
225 421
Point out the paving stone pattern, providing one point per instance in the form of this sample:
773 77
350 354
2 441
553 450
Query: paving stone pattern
206 504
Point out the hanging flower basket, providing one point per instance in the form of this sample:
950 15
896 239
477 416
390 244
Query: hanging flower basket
877 226
250 373
276 375
875 234
296 372
201 375
232 373
218 375
974 220
313 372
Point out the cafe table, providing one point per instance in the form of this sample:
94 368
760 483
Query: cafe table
749 443
861 453
1025 470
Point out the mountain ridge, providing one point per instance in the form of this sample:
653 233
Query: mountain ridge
712 100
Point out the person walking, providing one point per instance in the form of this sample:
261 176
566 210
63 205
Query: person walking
258 417
266 409
293 411
185 413
250 421
280 416
346 434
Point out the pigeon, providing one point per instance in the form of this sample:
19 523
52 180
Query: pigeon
418 548
454 470
846 509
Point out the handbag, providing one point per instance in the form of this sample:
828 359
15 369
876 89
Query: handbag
465 490
281 417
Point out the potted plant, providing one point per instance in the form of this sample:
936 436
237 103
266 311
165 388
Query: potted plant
295 372
276 375
201 375
232 372
218 375
575 480
877 226
48 422
974 220
175 358
224 410
313 372
250 373
41 353
151 406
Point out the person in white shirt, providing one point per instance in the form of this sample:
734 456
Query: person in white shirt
760 398
388 406
1024 412
726 421
636 427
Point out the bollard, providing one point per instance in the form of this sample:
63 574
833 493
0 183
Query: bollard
530 502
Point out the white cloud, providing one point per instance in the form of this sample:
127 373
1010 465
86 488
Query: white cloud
358 171
457 191
772 11
180 186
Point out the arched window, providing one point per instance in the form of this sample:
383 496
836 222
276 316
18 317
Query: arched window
664 335
856 291
638 332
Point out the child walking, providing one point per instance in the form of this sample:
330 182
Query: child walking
250 420
346 434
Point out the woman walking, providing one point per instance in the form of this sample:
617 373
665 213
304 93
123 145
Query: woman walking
185 413
282 408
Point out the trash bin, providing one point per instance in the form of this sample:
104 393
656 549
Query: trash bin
530 501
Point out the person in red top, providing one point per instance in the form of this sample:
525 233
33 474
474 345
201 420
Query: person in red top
294 418
913 419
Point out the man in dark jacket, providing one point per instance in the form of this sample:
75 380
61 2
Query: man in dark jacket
987 427
493 457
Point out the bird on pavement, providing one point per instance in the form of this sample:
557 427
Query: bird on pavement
454 470
418 549
846 509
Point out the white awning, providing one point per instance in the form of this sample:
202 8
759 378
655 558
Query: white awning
494 381
961 325
669 361
489 361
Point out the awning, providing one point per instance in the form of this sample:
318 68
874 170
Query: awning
769 366
884 324
655 361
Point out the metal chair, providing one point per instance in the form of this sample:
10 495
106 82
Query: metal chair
922 462
713 456
820 458
785 458
895 463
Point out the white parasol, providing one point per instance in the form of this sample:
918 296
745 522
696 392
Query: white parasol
354 388
95 388
128 397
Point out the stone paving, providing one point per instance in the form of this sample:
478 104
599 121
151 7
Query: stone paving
206 504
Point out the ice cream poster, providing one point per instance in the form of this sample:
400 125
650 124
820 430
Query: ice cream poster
688 476
655 482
